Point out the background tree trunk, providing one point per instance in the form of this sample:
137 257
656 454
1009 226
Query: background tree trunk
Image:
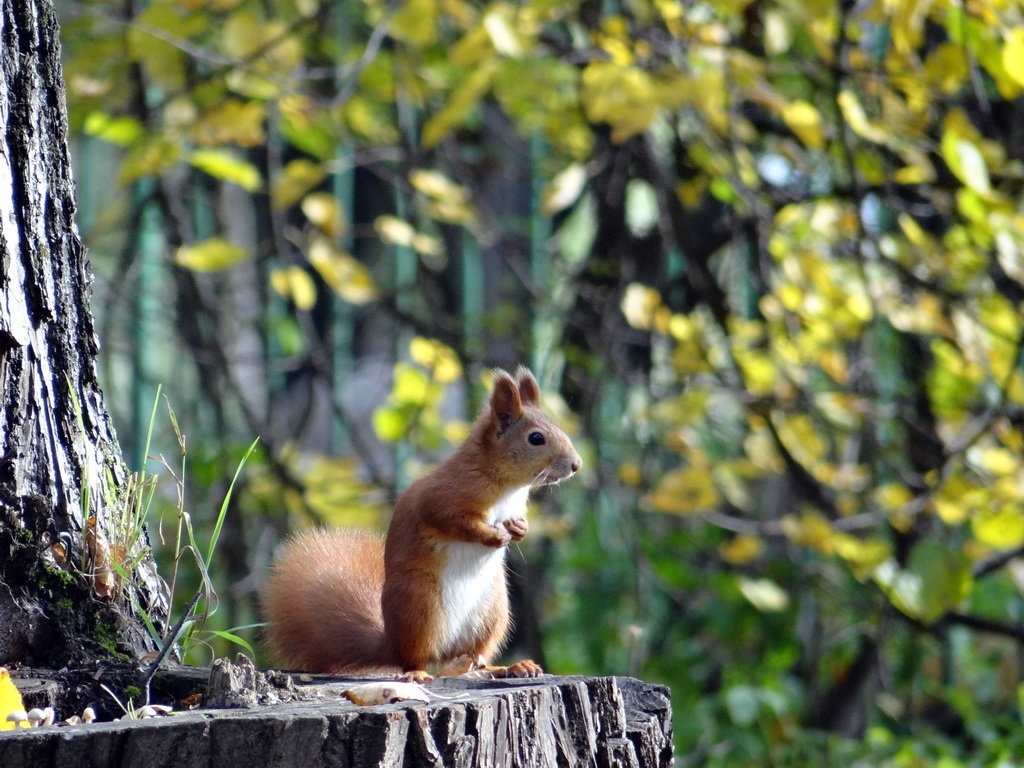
66 520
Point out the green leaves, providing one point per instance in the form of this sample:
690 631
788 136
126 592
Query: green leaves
935 580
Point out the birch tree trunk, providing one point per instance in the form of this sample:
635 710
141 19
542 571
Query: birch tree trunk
75 568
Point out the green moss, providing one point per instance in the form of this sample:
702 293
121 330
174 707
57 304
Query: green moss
65 604
56 579
106 637
133 693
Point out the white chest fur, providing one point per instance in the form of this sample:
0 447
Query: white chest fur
468 577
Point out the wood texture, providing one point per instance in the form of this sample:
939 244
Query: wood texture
550 721
59 458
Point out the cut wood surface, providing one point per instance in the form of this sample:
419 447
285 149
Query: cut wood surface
547 721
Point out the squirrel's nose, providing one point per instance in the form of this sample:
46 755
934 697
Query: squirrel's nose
575 464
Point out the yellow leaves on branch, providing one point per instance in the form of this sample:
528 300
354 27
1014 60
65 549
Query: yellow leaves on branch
629 98
436 357
444 199
413 408
687 490
394 230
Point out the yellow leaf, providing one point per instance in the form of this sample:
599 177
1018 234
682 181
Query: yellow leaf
966 161
802 438
998 461
209 255
639 305
438 186
323 210
392 229
759 370
946 67
856 117
294 283
416 22
390 424
764 594
234 121
862 555
10 701
123 131
630 473
412 386
504 30
810 530
1000 528
295 180
460 103
251 39
804 119
227 166
741 549
563 190
1013 54
346 276
241 35
957 499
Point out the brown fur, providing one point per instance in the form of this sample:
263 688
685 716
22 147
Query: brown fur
356 608
322 602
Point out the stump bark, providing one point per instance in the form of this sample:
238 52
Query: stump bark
549 721
68 527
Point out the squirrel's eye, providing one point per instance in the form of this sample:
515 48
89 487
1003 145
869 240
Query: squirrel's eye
535 438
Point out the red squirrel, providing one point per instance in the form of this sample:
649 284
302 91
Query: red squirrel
433 592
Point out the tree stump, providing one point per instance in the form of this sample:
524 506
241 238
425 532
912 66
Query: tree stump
547 721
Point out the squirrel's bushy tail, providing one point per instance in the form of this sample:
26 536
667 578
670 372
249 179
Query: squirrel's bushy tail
322 603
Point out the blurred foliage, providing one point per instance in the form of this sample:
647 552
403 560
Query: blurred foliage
767 257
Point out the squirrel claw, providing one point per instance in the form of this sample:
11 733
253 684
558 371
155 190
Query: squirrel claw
524 668
418 676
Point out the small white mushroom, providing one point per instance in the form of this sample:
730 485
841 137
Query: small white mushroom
88 715
49 716
73 720
17 716
162 709
146 712
35 716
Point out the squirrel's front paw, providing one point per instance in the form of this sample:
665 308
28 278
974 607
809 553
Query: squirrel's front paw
517 528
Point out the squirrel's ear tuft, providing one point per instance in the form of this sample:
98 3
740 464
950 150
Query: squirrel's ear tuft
529 390
506 405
